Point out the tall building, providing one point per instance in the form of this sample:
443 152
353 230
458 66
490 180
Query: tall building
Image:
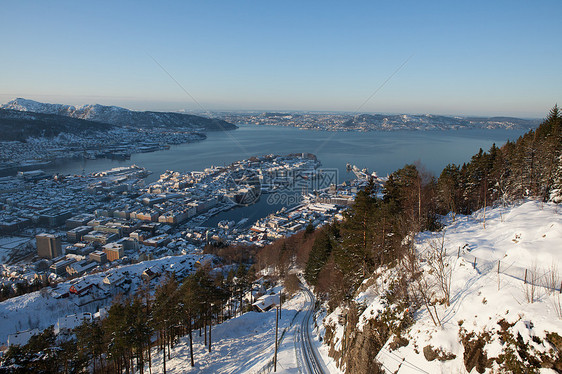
113 251
48 245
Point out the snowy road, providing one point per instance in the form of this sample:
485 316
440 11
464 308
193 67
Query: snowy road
309 358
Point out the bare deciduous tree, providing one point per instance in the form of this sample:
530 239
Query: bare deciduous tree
531 283
441 267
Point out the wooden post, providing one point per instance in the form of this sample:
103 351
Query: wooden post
459 252
474 264
276 329
499 275
525 276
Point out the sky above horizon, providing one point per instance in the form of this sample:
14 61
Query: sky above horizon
440 57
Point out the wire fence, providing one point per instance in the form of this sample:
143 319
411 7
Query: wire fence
548 279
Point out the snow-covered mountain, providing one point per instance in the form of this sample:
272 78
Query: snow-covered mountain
120 116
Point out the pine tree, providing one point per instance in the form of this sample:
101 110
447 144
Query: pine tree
189 291
90 341
449 190
353 256
164 314
321 250
140 331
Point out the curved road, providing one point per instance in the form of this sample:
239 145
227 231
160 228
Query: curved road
311 360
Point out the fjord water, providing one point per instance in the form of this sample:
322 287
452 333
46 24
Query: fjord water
383 152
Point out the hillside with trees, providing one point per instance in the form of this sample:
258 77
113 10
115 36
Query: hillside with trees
378 236
18 126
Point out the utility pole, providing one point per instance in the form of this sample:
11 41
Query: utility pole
276 332
280 302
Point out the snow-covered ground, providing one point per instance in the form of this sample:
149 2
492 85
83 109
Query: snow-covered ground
506 273
41 309
526 237
7 244
246 344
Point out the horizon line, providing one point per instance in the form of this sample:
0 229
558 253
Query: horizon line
279 110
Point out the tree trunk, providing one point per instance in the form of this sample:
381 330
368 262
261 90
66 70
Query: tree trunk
126 361
150 355
191 345
169 336
205 327
164 356
141 361
241 300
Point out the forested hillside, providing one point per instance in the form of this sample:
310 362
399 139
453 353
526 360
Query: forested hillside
530 166
373 232
18 126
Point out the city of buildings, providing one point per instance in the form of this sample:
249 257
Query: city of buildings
66 227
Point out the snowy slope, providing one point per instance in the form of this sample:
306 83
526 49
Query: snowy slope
525 237
41 309
491 304
241 345
246 344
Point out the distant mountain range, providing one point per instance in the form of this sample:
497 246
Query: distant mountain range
377 122
435 122
120 116
21 118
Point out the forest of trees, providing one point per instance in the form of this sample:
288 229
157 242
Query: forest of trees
528 167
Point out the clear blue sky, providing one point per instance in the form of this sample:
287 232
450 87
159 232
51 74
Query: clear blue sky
472 57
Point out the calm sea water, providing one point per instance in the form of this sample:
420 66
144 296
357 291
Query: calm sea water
382 152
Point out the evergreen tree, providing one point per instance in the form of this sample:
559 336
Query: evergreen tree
164 313
90 342
354 256
115 331
449 189
321 250
189 291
